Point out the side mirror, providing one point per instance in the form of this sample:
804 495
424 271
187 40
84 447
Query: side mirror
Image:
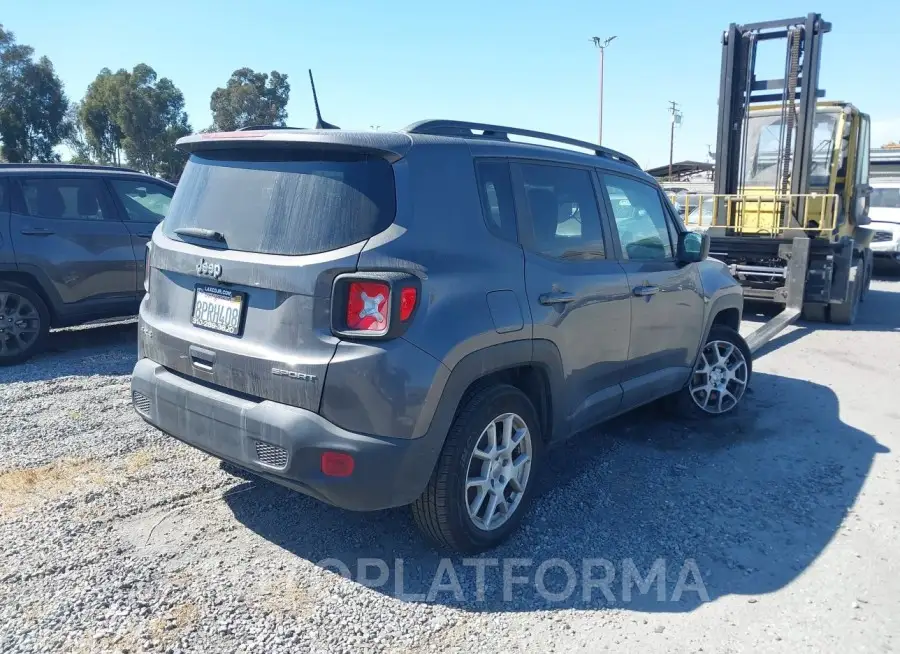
693 247
860 206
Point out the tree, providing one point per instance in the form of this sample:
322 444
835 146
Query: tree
76 139
33 104
136 114
98 115
152 120
250 98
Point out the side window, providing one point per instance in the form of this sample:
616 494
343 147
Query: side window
565 220
497 204
144 202
640 219
68 198
862 167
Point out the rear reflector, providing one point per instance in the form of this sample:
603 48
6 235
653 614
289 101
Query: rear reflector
337 464
147 268
408 297
367 306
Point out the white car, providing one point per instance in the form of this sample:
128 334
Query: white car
884 212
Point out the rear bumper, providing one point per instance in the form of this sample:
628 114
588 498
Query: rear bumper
284 443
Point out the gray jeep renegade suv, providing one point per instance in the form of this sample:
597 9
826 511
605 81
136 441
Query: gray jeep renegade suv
383 319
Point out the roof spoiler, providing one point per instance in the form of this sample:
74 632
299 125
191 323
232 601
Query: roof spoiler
338 142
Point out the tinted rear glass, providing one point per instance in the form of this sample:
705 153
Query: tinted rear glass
283 202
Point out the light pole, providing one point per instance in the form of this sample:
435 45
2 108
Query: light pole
676 120
601 45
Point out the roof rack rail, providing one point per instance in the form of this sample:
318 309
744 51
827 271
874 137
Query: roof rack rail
251 128
465 129
68 165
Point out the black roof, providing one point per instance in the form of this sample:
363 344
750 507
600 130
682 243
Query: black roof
65 168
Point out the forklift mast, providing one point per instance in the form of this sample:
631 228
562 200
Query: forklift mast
797 92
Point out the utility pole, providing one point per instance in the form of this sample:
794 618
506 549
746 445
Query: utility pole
676 118
601 45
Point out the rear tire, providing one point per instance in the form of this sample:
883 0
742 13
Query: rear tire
444 510
24 323
845 313
720 378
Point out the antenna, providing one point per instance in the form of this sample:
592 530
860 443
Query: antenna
320 124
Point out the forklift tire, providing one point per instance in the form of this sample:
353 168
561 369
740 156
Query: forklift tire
868 268
845 312
815 312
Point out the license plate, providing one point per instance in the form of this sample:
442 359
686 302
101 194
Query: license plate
218 309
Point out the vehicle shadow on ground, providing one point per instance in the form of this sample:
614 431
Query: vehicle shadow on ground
106 349
749 499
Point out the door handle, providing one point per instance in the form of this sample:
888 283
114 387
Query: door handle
144 234
36 231
645 291
549 299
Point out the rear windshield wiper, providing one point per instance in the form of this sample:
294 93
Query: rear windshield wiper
201 232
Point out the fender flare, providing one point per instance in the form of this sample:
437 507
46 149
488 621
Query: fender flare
42 284
483 362
726 300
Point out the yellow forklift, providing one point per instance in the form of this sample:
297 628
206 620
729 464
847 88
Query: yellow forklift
791 193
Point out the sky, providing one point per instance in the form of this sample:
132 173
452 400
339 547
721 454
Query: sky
524 63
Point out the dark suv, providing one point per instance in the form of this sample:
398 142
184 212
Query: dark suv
382 319
72 247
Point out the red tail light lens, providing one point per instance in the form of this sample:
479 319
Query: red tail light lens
337 464
408 297
368 306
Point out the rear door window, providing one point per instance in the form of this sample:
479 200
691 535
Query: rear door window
66 198
282 201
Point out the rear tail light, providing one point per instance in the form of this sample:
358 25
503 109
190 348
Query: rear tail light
408 297
367 306
374 305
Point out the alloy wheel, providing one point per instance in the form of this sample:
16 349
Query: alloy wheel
498 472
20 324
720 377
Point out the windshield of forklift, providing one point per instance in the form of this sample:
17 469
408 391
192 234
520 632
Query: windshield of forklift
765 136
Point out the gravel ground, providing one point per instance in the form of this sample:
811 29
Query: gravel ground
775 529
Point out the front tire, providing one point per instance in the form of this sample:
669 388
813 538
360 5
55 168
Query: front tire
720 377
24 323
484 479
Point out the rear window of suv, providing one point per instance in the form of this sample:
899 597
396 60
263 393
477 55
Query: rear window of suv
283 201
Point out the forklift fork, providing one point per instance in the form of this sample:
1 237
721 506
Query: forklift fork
795 285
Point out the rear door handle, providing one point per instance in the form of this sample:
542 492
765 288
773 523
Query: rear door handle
549 299
37 231
144 234
645 291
